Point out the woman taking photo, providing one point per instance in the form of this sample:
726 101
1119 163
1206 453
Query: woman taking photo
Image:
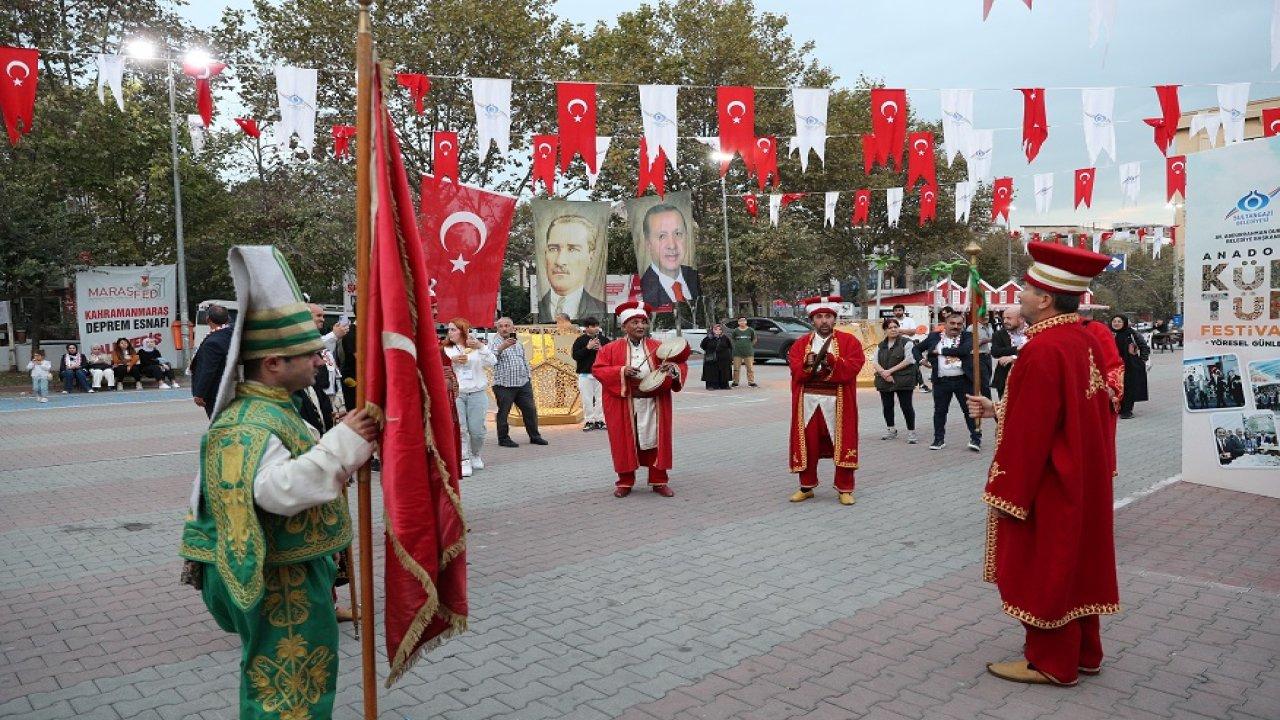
1134 351
717 359
470 357
895 371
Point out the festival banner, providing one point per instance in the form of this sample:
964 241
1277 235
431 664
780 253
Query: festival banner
132 302
570 248
662 231
1231 361
617 290
464 231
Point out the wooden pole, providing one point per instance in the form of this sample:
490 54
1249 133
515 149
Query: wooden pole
974 293
364 236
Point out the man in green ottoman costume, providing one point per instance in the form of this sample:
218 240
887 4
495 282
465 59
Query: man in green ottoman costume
267 511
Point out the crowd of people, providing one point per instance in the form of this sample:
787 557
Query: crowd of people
1235 445
1216 390
101 371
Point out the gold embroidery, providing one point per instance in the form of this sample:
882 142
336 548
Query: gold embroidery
1052 322
994 472
229 498
1095 378
1004 505
989 555
297 677
286 602
1076 613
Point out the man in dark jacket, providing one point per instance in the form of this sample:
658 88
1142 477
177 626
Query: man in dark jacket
1005 344
584 351
950 353
211 359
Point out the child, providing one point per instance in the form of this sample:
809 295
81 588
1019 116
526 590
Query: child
41 371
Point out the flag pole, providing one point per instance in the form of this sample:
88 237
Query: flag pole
973 250
364 233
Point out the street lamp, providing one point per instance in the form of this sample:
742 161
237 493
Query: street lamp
142 49
724 157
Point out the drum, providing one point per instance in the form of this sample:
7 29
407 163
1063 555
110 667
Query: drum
674 350
653 381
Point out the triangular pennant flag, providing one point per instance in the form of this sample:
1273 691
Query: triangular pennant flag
829 208
764 161
544 161
1271 120
576 112
920 164
1130 183
957 123
196 129
889 124
1001 198
1084 187
1044 192
1175 171
1209 122
981 151
736 110
658 117
810 107
418 86
868 152
250 127
492 99
602 149
752 204
202 74
964 200
444 156
111 74
18 89
652 173
296 92
893 201
1035 125
1166 126
342 135
775 205
928 203
1099 121
1233 105
1102 18
861 207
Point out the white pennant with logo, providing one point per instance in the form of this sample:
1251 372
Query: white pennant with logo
1099 122
964 199
829 208
1233 100
658 114
1130 183
602 149
195 127
1102 18
111 74
810 106
1044 192
296 91
957 123
775 206
492 99
893 197
1209 122
981 148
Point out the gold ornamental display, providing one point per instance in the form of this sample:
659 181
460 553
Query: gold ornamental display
555 376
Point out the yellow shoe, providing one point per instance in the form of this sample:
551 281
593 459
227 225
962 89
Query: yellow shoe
801 495
1022 672
847 498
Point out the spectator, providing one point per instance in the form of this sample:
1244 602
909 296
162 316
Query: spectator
895 374
1005 344
744 352
717 359
1134 352
124 361
950 354
41 371
100 372
512 385
74 370
584 351
154 366
469 358
329 376
913 332
211 359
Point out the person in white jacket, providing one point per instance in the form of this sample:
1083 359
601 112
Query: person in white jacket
470 357
41 371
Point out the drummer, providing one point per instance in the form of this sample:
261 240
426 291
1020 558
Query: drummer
638 384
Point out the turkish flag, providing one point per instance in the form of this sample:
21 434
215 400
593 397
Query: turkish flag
861 206
1001 198
736 109
920 160
464 231
1035 126
764 160
425 571
18 89
249 126
753 205
1084 187
889 124
204 95
576 109
788 198
444 155
418 86
1270 121
1166 126
868 152
342 135
928 203
652 173
1175 176
544 161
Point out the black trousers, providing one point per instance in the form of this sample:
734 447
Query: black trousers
904 402
522 398
945 388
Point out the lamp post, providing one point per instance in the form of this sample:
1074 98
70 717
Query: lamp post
724 215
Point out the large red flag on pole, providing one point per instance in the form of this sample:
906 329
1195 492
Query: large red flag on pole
425 573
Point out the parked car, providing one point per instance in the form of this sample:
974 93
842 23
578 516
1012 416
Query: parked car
774 335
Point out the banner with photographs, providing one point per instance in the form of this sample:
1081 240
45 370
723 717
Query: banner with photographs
570 248
663 233
131 302
1231 360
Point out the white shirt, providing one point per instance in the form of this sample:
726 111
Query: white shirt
669 283
1018 337
825 403
571 302
41 370
645 409
471 375
949 365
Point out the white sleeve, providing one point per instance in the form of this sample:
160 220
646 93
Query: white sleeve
487 358
330 341
287 486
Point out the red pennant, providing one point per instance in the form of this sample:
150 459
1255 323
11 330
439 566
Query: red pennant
18 89
1142 233
249 126
920 159
1001 198
652 173
204 95
753 205
576 110
418 86
1175 177
1081 240
1084 187
861 206
764 160
1166 126
544 161
928 203
342 135
1035 237
1270 121
889 124
444 155
868 152
736 109
788 198
1035 126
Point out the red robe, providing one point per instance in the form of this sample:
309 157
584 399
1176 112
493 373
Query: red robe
1109 360
846 358
1050 548
619 390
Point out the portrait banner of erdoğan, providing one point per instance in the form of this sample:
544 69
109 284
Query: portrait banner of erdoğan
662 230
570 248
131 302
464 231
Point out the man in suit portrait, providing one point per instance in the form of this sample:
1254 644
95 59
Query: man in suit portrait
666 280
567 261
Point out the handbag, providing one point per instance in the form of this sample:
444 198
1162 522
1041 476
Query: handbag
709 356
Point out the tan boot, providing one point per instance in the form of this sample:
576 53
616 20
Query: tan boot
1022 672
801 495
847 498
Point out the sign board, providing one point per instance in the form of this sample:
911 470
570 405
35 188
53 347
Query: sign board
126 302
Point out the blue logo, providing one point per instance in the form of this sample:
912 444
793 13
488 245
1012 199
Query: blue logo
1098 118
1253 202
811 121
661 120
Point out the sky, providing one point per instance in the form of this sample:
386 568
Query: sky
926 45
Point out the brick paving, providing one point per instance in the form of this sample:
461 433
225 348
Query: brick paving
724 602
